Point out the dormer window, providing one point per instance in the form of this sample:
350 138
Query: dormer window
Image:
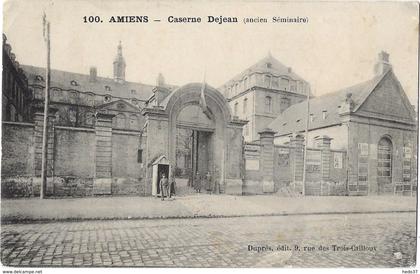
269 65
324 114
107 88
311 117
73 83
133 91
39 78
298 120
284 124
107 98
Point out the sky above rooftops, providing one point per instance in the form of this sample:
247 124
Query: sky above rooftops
337 48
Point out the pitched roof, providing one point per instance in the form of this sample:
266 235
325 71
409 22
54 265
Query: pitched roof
276 68
63 80
293 119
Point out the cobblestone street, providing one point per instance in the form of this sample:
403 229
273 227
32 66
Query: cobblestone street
382 240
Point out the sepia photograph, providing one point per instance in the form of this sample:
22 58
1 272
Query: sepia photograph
209 134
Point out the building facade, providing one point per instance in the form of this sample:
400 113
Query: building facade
262 92
107 134
16 96
373 122
111 136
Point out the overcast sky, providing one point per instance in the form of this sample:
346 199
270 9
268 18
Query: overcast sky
337 48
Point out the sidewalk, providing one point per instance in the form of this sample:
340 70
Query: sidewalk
193 206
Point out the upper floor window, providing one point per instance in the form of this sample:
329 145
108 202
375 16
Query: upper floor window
284 84
311 117
235 109
275 82
119 121
134 122
267 81
246 82
245 106
284 103
268 103
293 86
324 114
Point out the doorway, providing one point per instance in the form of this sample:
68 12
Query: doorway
384 165
161 169
194 157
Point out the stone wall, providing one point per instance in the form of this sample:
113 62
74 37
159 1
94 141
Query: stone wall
74 152
17 149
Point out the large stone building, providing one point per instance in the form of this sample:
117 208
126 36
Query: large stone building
112 136
262 92
373 122
16 96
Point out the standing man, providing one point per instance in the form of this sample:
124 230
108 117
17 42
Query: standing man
164 186
197 182
209 185
172 186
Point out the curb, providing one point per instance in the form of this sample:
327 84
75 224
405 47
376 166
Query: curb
17 220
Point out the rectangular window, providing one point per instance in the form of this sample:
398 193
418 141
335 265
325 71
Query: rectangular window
407 164
140 156
363 166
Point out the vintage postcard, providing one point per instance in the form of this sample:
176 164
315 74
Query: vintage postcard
209 134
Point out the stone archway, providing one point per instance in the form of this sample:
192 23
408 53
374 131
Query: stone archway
187 96
226 134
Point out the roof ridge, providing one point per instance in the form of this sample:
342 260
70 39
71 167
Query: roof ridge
86 75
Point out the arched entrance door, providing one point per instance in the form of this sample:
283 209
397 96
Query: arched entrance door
194 148
384 165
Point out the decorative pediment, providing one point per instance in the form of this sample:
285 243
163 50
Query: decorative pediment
119 105
161 160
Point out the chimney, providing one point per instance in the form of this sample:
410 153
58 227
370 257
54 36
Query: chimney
93 74
382 64
160 80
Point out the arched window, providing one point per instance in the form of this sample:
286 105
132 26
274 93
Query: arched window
119 121
246 83
384 161
246 130
284 103
268 103
235 109
134 122
245 106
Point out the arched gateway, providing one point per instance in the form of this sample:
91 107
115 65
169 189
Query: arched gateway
193 127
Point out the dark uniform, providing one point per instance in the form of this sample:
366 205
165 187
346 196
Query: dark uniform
197 182
164 187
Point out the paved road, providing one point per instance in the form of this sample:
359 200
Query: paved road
382 240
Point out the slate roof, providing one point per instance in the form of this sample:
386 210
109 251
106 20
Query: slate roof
293 119
277 69
63 80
